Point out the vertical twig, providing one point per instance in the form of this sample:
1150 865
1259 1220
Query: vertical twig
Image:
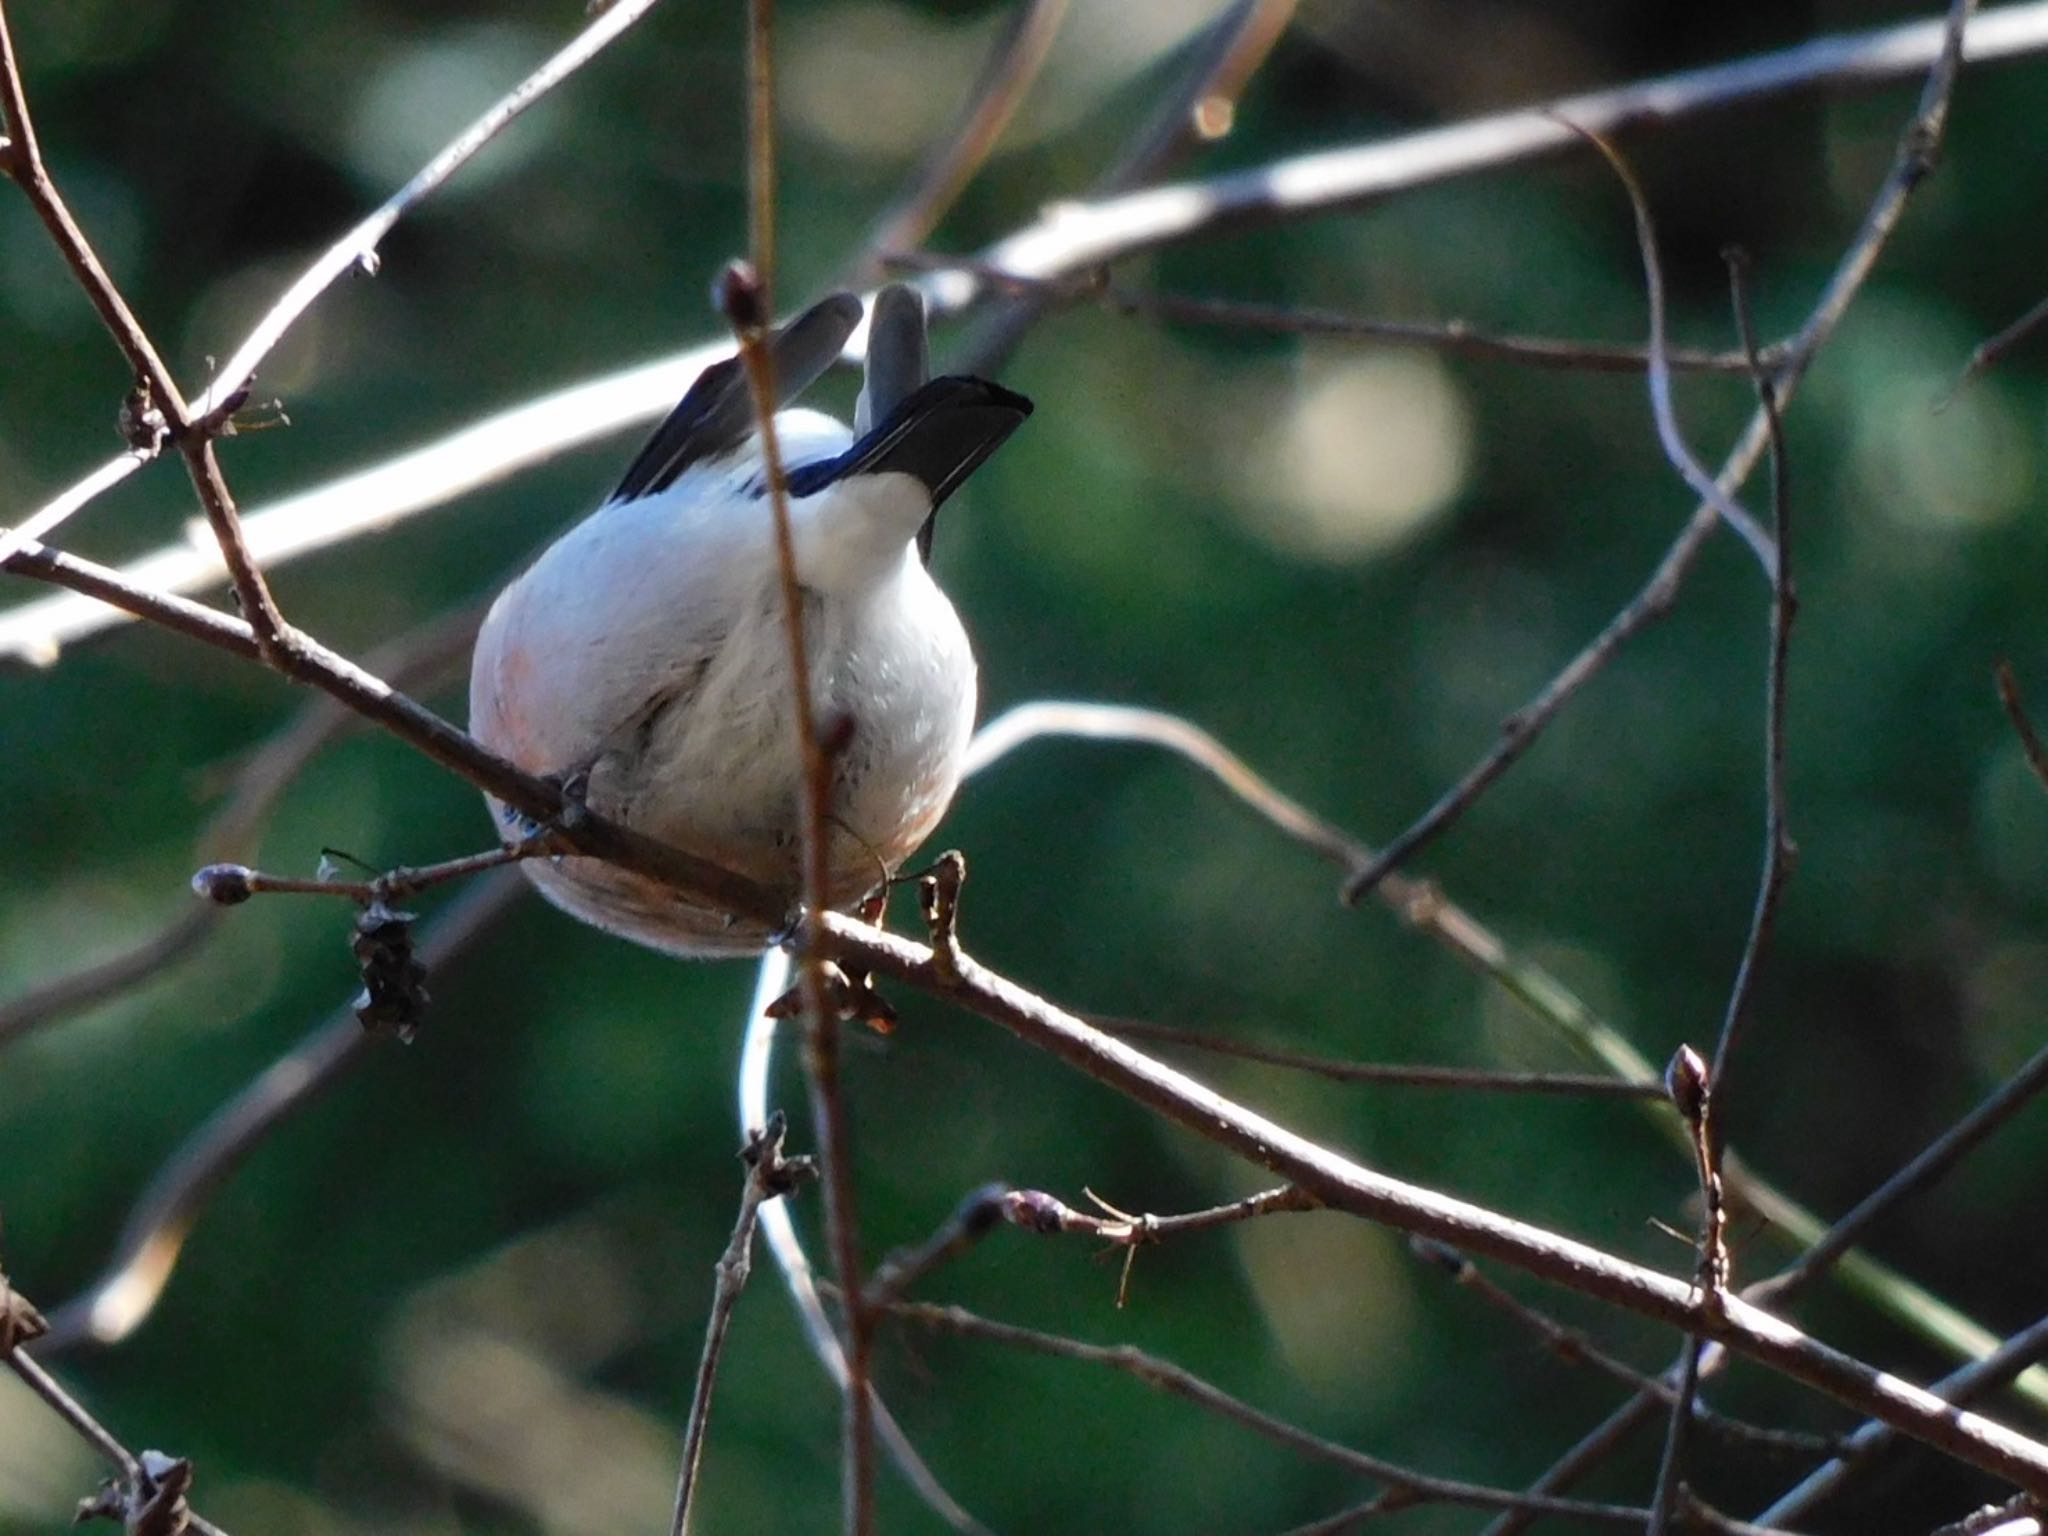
761 146
769 1175
1779 849
748 297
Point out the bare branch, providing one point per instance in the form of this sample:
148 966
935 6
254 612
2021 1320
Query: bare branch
1345 1185
1390 1074
769 1176
2016 712
1548 999
1914 157
1966 1385
1456 337
1410 1487
1075 237
744 303
1988 354
115 1304
1006 77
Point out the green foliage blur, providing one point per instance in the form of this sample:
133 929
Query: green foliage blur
465 1290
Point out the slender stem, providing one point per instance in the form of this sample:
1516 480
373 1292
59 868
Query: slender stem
2016 711
1007 75
1411 1487
769 1175
118 1300
821 1022
1346 1185
1075 237
1463 1079
1457 337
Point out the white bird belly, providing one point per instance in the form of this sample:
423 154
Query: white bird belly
701 752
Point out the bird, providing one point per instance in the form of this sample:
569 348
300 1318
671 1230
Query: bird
642 660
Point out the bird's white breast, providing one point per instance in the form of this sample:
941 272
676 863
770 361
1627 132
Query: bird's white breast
646 653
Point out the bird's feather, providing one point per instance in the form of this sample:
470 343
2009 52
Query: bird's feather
716 415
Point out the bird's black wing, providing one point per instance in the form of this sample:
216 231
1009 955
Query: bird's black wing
717 413
940 434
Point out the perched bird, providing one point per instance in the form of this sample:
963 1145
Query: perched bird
643 659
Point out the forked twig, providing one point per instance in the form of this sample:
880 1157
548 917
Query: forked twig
1006 77
1456 337
147 1492
1548 999
1407 1487
769 1176
157 413
1075 237
230 834
115 1304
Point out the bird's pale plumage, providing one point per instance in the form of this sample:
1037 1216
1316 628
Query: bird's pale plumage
643 658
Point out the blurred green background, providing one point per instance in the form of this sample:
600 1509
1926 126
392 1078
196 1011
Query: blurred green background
465 1291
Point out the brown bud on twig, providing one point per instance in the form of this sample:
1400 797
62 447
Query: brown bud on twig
1685 1079
736 294
225 885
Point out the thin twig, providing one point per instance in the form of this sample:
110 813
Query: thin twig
743 306
1989 353
769 1176
115 1304
1006 77
1164 1376
1669 435
1965 1385
1574 1348
1425 908
979 1213
2016 712
1390 1074
229 885
413 658
1933 1162
1457 337
148 1494
1779 850
1915 156
1074 237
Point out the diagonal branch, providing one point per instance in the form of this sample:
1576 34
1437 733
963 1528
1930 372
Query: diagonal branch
1075 237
